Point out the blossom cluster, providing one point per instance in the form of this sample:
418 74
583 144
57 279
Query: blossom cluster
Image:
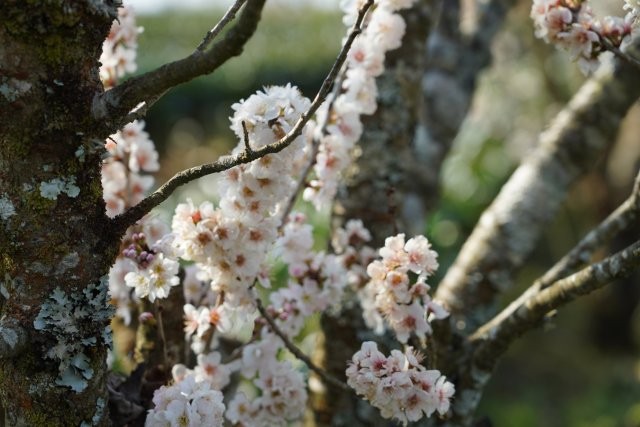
282 398
316 279
188 402
119 48
398 385
227 248
130 153
338 126
571 25
229 243
145 266
398 289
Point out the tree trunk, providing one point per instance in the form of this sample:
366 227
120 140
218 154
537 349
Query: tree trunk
56 243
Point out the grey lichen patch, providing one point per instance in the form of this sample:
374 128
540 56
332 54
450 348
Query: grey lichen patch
97 417
75 321
67 262
12 89
80 154
53 188
7 209
9 336
13 338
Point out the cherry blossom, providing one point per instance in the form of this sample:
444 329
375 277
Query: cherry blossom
398 385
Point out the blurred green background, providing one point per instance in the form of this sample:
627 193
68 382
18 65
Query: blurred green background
584 369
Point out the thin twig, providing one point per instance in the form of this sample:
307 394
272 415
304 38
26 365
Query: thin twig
315 148
617 52
114 106
493 342
247 145
298 353
135 213
617 221
228 17
163 338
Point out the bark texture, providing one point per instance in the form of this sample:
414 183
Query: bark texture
56 245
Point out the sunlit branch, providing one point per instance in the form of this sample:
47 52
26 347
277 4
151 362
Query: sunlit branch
619 220
494 341
229 15
508 230
135 213
111 108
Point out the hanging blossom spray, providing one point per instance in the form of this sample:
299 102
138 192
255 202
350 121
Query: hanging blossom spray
233 246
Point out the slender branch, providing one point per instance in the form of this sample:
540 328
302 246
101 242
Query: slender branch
298 353
245 134
112 107
619 53
315 148
135 213
302 181
494 341
486 347
228 17
619 220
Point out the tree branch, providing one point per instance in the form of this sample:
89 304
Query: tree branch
493 342
228 17
298 353
135 213
508 230
112 107
485 348
619 220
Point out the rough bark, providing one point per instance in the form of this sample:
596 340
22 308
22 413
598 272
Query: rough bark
55 242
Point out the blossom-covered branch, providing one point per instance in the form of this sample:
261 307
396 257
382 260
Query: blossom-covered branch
508 229
112 107
138 211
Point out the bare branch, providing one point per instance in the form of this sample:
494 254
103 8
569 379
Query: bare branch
619 220
135 213
245 134
112 107
228 17
298 353
487 346
508 230
619 53
494 341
